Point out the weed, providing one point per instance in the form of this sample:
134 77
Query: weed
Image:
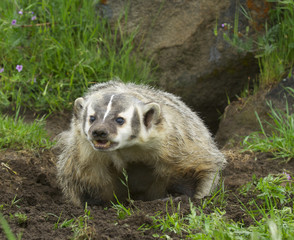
244 190
273 190
125 182
66 223
122 211
271 222
218 197
80 225
56 225
20 218
14 202
173 222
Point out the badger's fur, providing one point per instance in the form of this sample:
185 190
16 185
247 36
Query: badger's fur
163 146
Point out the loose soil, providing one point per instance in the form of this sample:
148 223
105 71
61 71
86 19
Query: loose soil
28 185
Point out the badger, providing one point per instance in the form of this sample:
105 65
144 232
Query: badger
128 140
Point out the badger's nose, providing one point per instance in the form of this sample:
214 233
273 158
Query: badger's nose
102 134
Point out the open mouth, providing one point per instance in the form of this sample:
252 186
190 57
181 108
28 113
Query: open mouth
103 144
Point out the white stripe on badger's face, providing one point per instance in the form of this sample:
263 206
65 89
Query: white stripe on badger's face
108 108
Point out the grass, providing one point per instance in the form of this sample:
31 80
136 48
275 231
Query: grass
274 45
170 222
17 134
20 218
276 49
121 210
280 141
5 226
79 225
61 53
276 216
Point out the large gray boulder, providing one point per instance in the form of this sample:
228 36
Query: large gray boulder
193 61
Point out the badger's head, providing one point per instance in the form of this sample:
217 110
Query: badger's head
114 121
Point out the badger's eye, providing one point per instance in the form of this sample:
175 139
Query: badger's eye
120 120
92 119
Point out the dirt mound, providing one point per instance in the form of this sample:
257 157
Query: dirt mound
28 186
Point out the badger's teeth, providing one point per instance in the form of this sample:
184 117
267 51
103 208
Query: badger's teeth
101 144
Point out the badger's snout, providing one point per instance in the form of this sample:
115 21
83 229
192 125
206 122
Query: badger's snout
100 134
101 139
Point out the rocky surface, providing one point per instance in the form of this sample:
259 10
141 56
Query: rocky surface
185 39
239 118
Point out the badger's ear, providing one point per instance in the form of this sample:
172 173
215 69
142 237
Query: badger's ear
78 106
151 114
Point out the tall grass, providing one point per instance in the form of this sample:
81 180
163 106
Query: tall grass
276 51
62 46
273 47
280 141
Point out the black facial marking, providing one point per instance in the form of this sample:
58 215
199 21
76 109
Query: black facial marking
135 124
85 119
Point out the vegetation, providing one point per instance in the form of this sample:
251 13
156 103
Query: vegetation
17 134
3 223
50 56
79 225
275 211
276 50
273 47
281 140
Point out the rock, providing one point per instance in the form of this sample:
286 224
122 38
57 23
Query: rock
239 118
185 39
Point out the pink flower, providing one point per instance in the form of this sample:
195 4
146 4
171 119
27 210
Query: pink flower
1 70
287 175
34 18
13 22
19 68
20 12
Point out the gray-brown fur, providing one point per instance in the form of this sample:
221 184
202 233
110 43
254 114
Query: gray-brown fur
163 146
